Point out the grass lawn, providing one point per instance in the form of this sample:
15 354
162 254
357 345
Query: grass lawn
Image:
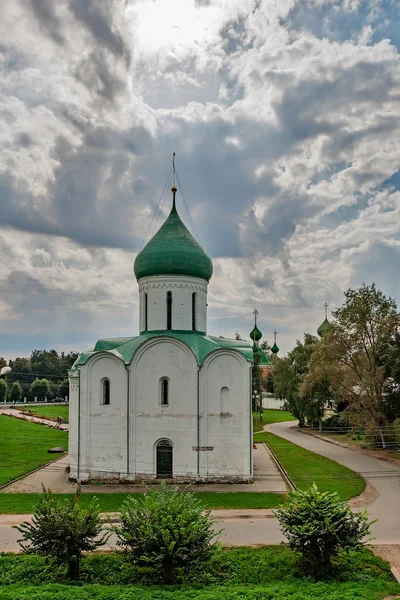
240 573
22 503
51 411
305 467
24 445
270 416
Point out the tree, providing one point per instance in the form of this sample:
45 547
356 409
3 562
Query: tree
352 357
62 530
3 390
15 393
288 376
20 365
318 525
167 530
40 388
256 381
45 362
63 388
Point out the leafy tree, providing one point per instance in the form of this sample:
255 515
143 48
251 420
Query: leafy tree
256 381
45 362
3 390
3 362
63 388
288 376
63 530
318 525
15 393
353 354
266 348
20 365
40 388
167 530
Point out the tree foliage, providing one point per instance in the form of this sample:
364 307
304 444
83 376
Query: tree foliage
288 376
63 530
168 531
352 356
40 388
319 525
15 393
63 388
3 390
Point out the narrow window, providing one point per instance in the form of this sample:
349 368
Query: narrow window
194 311
169 310
224 400
164 391
106 391
145 311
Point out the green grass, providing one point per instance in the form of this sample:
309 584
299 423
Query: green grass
241 573
305 467
270 416
24 445
49 412
22 503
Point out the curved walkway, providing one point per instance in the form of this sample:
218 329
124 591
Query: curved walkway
384 505
18 414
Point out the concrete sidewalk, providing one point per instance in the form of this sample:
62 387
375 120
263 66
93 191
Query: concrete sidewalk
267 478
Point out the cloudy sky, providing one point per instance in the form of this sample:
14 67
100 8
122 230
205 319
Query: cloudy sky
285 117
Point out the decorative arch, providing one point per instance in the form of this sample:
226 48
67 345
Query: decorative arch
224 400
164 459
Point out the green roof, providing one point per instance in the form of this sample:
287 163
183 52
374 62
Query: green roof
255 334
275 349
200 343
263 358
173 251
323 328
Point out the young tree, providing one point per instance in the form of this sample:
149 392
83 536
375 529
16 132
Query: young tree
63 530
167 530
350 356
318 525
3 390
40 388
15 393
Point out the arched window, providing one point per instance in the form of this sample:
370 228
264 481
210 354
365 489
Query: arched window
145 311
106 391
224 400
169 310
194 311
164 390
164 463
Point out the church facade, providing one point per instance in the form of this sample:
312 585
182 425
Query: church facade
172 402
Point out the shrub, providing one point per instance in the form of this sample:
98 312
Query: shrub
15 392
63 530
318 526
168 531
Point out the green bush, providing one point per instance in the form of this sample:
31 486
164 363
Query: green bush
62 531
168 531
319 526
3 390
15 393
40 388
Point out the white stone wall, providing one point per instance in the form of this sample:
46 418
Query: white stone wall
210 430
182 289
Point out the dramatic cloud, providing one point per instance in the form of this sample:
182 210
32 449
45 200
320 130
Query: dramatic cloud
285 119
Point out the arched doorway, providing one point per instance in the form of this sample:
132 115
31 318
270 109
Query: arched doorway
164 459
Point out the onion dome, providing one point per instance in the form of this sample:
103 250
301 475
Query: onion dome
255 334
323 328
173 251
275 349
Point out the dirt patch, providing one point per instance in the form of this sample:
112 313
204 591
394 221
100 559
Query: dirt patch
368 497
392 555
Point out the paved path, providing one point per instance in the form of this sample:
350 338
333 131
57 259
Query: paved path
54 476
13 412
384 477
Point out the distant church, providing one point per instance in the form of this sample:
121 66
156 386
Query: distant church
172 402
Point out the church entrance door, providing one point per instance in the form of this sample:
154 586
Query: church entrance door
164 459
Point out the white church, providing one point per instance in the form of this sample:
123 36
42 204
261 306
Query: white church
172 402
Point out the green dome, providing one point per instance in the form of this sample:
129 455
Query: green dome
323 328
255 334
274 349
173 251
